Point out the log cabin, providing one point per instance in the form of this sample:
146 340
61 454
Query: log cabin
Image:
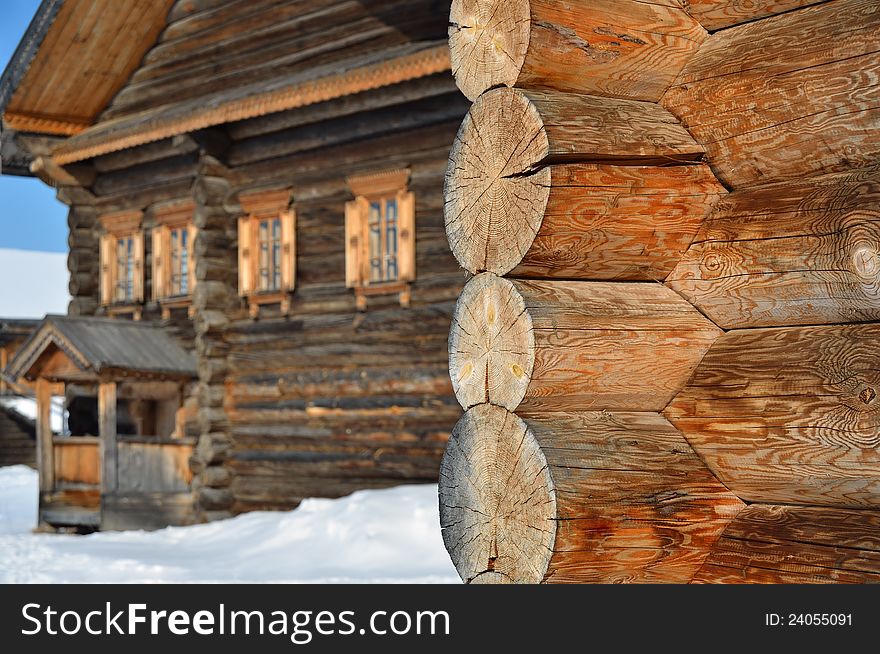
17 430
667 352
258 184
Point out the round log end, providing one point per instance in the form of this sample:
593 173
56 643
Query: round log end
496 193
491 344
488 41
497 500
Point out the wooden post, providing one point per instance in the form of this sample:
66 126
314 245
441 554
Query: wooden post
107 432
4 361
584 497
558 185
573 345
45 440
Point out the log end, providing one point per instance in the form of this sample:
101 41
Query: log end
497 499
496 192
488 42
491 344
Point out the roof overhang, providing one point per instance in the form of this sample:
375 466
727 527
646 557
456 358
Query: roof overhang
81 349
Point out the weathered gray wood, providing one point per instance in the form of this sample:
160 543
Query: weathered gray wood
107 433
45 451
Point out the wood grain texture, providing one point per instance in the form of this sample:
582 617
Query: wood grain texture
581 497
77 461
719 14
789 96
499 186
789 415
571 345
616 48
796 545
796 253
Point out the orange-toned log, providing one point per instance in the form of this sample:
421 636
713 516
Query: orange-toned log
796 253
786 97
768 544
573 345
718 14
584 497
618 48
559 185
789 415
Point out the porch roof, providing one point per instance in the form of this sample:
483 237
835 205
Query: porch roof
99 347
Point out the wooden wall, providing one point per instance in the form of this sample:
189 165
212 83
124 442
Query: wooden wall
328 399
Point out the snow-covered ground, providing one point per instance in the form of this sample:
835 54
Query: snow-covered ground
34 283
390 535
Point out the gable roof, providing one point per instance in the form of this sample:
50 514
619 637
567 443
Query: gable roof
114 75
100 345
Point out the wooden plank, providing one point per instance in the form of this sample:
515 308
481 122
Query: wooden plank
796 545
789 415
577 497
804 252
77 461
153 467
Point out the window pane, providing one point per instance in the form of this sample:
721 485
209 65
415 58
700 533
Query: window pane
129 281
184 261
276 254
175 262
263 263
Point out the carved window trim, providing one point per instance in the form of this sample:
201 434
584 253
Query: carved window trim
374 192
264 206
118 226
170 219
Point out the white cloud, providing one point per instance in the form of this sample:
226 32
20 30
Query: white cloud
32 284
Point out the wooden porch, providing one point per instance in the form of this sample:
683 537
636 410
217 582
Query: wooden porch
123 461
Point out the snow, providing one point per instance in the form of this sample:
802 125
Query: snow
35 283
376 536
27 407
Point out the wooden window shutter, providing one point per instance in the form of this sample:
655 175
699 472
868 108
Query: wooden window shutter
107 264
160 278
138 282
406 241
288 250
190 257
354 244
245 257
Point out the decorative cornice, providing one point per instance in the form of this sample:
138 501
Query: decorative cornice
174 213
357 80
379 182
23 122
122 222
265 202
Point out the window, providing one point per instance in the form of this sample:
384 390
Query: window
380 236
122 259
266 249
173 261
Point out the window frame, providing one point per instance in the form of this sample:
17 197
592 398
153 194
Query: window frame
261 206
169 218
118 226
380 186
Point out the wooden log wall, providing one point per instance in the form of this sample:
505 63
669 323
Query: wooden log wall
331 400
326 399
730 161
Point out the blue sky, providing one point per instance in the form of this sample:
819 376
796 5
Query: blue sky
30 216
